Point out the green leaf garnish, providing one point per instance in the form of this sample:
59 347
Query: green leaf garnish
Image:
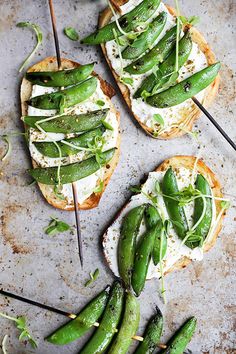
158 119
135 189
225 204
20 323
8 149
100 103
99 188
39 37
127 80
192 20
107 125
71 33
93 277
57 189
56 226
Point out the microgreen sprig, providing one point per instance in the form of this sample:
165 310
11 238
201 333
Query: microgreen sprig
56 226
93 277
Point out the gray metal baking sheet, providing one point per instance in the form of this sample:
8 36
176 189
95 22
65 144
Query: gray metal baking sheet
46 268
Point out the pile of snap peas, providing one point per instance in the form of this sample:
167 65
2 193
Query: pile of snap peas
134 257
118 314
156 59
78 85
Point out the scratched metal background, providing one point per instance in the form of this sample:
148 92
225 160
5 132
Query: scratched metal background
46 268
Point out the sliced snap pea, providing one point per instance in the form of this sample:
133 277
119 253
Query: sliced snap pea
204 226
128 22
82 323
51 150
60 78
67 124
128 328
155 56
109 322
155 81
176 213
186 88
160 243
143 254
179 342
146 39
127 241
65 98
70 173
152 335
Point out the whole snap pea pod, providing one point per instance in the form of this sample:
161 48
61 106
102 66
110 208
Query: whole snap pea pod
152 335
155 56
82 323
156 80
109 322
143 254
146 39
51 150
179 342
128 328
204 226
127 22
66 98
153 219
127 241
67 124
186 88
70 173
176 213
60 78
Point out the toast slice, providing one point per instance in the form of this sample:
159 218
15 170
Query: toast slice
50 64
176 162
187 120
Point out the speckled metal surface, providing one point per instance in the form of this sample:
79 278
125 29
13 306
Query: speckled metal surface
46 268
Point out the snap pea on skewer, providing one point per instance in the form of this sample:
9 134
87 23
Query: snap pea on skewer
65 98
155 81
152 334
176 212
73 172
180 340
126 247
51 150
128 328
155 56
185 89
67 124
60 78
109 322
204 226
128 22
146 39
82 323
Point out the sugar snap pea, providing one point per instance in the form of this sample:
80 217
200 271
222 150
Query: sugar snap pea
128 328
67 124
126 247
152 216
143 254
179 342
157 80
108 324
60 78
146 39
65 98
176 212
155 56
128 22
186 88
204 226
82 323
51 150
152 334
71 173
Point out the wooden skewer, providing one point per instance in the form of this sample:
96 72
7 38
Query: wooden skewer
214 122
59 312
74 186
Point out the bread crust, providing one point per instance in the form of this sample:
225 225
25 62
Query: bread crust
50 64
185 161
188 120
